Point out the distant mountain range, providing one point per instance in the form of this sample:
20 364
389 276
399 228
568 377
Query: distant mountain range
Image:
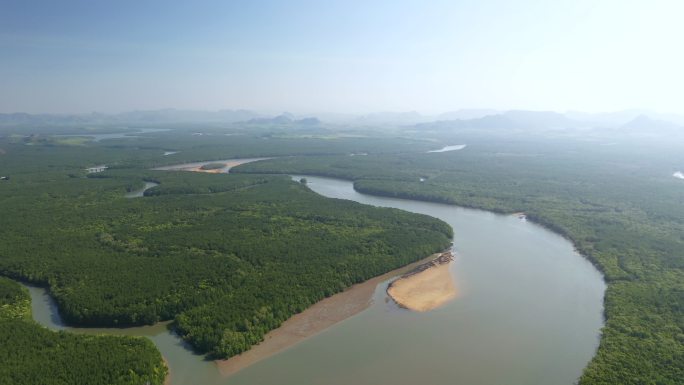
643 122
622 117
466 114
510 120
132 117
627 121
547 120
410 117
285 119
166 116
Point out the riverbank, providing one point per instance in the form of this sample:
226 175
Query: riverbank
426 287
315 319
167 379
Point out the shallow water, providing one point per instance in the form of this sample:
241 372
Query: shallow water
529 312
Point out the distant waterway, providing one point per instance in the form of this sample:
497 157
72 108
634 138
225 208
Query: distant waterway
141 192
529 311
450 148
119 135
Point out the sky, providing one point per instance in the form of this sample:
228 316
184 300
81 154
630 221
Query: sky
341 56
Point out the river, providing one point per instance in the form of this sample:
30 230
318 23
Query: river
529 312
455 147
141 192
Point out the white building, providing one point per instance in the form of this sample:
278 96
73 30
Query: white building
96 169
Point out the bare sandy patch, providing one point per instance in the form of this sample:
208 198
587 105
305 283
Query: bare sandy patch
428 287
212 171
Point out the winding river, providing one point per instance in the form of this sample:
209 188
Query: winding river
141 192
455 147
529 312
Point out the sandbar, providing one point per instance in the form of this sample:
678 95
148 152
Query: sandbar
197 166
427 287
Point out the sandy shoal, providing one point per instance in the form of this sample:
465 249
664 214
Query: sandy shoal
197 167
212 171
427 290
312 321
225 169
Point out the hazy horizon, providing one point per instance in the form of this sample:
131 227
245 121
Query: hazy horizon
468 113
342 57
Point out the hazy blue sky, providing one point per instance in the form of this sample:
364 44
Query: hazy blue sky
341 56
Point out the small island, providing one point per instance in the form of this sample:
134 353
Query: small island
426 287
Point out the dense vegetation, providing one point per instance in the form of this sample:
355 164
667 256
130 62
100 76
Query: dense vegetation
31 354
229 257
15 303
618 203
216 252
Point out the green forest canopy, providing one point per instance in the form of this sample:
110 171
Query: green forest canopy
619 205
229 257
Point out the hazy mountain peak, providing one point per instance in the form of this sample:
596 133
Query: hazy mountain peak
466 114
644 122
388 117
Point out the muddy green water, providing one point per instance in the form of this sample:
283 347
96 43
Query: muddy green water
529 312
